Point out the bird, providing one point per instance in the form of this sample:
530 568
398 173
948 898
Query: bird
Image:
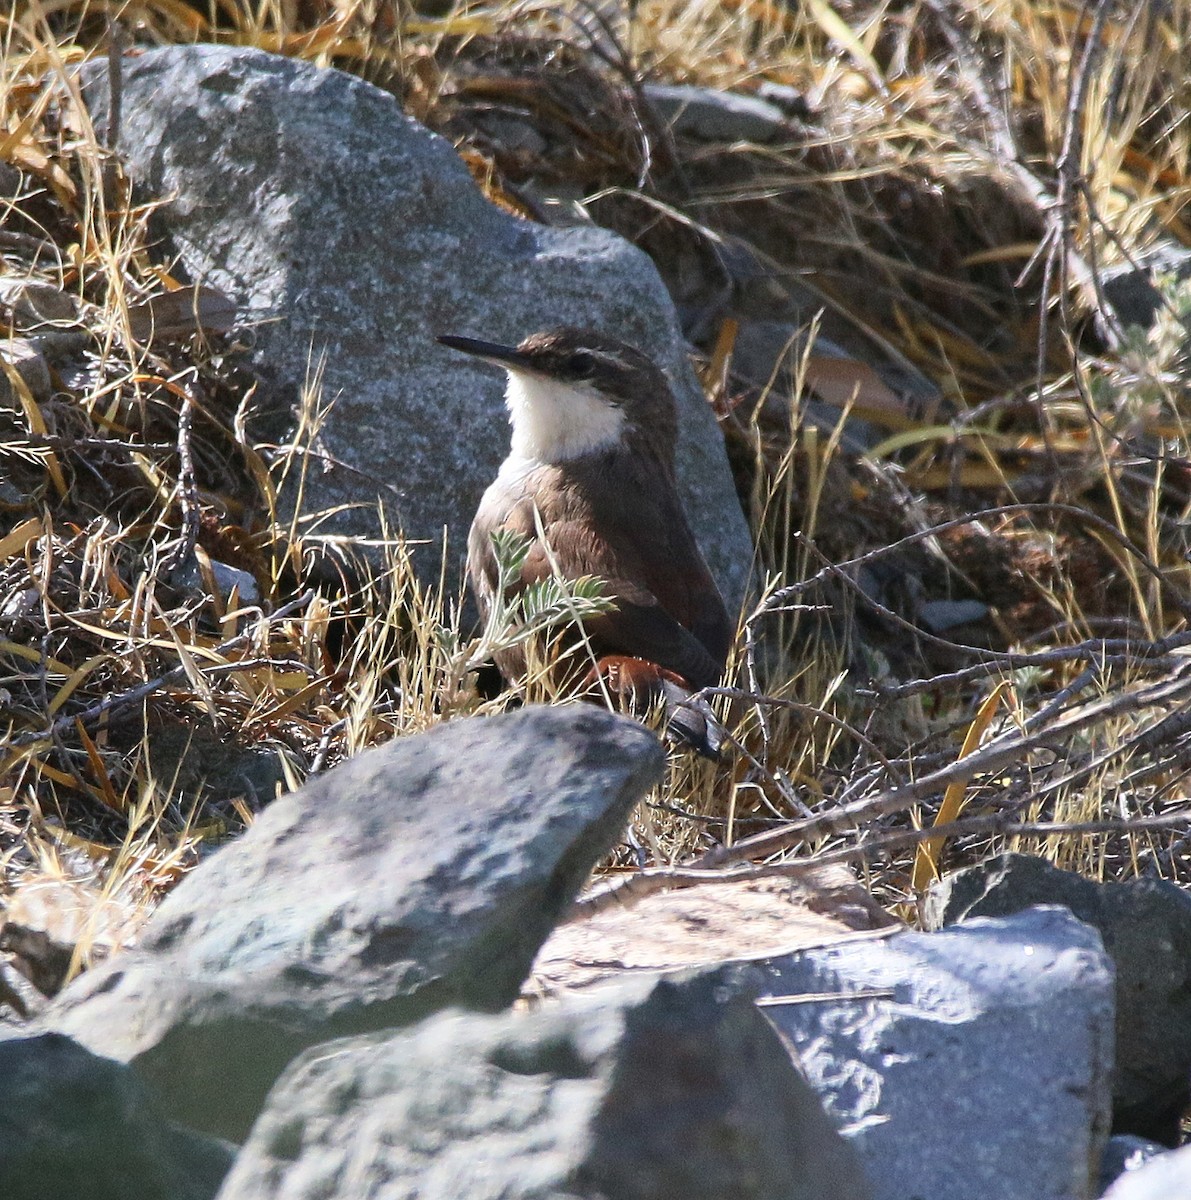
589 481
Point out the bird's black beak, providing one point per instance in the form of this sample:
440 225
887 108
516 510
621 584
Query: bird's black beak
493 352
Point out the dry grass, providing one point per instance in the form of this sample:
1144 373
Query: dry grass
959 180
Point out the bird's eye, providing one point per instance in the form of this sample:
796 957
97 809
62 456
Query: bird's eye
581 365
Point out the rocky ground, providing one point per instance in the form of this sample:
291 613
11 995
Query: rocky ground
235 472
329 1007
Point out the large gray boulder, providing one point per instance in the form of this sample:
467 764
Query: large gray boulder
351 235
75 1125
646 1090
1145 925
422 874
975 1062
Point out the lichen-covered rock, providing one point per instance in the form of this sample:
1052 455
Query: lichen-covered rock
422 874
975 1062
1145 925
645 1090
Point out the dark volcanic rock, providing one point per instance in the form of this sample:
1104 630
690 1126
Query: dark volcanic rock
645 1090
419 875
1146 928
74 1126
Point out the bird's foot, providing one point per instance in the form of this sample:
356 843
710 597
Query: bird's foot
639 685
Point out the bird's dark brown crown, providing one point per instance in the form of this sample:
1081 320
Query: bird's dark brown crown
617 370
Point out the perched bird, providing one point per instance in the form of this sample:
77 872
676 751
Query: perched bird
594 427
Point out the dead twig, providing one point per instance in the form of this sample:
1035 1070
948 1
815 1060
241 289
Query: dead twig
841 570
636 887
997 755
187 489
135 695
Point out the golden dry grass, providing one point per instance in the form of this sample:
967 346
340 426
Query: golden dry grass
962 175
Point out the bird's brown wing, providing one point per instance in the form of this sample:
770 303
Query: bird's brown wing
651 541
668 609
638 626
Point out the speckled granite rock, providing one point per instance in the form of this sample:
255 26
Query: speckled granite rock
350 235
422 874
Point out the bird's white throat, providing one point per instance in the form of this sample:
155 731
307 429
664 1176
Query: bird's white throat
554 421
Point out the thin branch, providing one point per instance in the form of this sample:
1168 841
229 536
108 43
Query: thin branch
117 39
1105 652
135 695
187 489
636 887
810 710
840 570
997 755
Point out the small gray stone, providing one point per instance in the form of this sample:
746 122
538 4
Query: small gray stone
511 134
1146 928
14 497
1131 289
74 1125
975 1062
349 236
1166 1177
29 363
640 1091
713 116
190 578
18 604
790 100
1125 1153
61 347
19 999
10 181
202 764
769 353
36 305
422 874
941 615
